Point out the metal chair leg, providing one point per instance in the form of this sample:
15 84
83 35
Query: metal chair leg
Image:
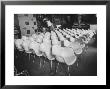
68 70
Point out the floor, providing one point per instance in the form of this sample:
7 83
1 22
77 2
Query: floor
40 66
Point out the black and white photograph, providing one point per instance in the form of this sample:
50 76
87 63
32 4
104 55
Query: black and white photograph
55 45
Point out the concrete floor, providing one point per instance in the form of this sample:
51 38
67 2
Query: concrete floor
87 65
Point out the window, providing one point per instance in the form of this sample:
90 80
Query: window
34 23
27 23
35 30
28 31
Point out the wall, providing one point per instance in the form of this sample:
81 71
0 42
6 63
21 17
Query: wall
28 24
